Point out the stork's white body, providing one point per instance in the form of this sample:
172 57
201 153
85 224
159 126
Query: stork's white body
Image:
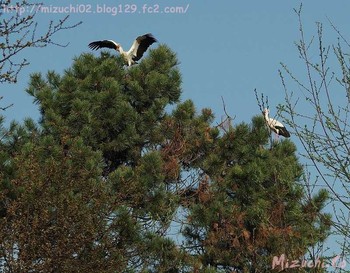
275 125
127 55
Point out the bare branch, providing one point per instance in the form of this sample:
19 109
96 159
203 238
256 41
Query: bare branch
19 31
6 107
321 123
261 103
338 31
225 123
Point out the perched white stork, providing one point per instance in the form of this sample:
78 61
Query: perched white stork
275 125
135 52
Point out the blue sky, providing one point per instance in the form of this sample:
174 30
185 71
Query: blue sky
225 48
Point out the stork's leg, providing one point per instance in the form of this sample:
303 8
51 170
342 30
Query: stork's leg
277 135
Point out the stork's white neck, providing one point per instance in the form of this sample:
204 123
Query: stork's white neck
266 114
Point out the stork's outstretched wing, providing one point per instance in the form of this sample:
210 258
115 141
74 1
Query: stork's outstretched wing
105 43
140 45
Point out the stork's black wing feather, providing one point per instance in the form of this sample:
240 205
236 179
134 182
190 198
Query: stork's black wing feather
105 43
283 131
144 42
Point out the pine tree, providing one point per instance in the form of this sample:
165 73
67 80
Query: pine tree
97 184
115 110
99 135
249 207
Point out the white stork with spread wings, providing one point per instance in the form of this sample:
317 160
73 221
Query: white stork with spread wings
275 125
139 46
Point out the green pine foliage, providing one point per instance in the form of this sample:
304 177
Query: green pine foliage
97 185
115 110
250 206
